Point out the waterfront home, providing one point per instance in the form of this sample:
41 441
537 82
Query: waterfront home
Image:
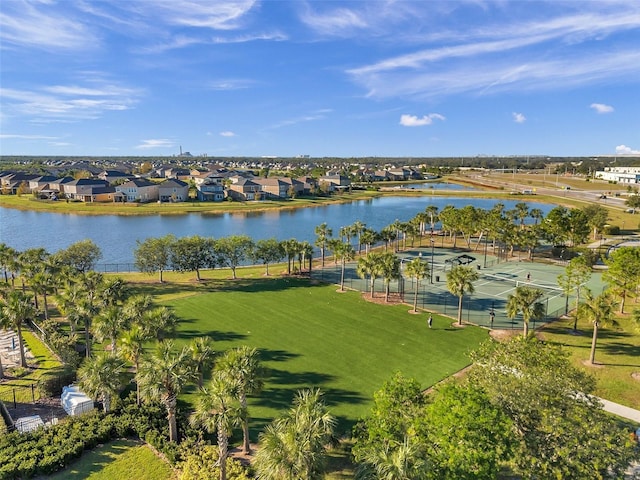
309 185
210 192
273 187
243 189
14 182
87 190
139 190
173 190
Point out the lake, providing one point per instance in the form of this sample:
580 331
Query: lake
116 235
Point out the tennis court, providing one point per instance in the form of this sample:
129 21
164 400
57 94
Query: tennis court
498 279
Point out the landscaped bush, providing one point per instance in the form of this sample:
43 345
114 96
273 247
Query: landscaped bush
611 230
52 382
47 450
200 464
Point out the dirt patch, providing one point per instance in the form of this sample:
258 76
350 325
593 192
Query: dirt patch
394 299
587 363
503 335
46 408
636 376
244 459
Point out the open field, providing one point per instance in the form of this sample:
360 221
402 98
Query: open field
311 336
617 356
120 459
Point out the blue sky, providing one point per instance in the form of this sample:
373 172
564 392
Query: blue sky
322 78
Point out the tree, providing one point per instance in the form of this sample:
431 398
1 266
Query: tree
467 437
218 410
159 322
525 300
192 254
555 225
109 324
369 266
243 366
417 269
268 251
132 348
576 274
81 256
368 238
15 310
560 433
597 217
101 378
623 273
233 250
389 270
578 226
162 376
357 228
293 447
202 354
154 254
7 259
389 436
633 201
599 310
305 254
343 252
323 234
291 248
460 282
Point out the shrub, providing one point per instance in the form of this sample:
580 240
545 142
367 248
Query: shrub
611 230
51 383
200 464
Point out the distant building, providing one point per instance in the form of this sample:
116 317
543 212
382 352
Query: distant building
620 174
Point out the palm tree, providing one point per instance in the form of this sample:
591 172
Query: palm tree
357 228
525 300
306 253
108 325
101 377
202 353
432 211
417 269
242 365
132 348
41 284
369 266
218 410
323 234
522 212
368 238
159 322
394 461
15 310
388 234
599 310
389 270
343 252
459 282
291 249
162 376
137 307
7 256
293 447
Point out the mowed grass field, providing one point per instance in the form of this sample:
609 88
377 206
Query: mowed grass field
309 335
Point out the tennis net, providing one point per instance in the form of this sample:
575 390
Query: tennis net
547 289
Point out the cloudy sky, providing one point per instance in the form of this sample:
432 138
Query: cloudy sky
322 78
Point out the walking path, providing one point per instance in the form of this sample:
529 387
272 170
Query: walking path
621 411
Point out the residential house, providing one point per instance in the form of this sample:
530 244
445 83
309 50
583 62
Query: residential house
210 192
114 176
243 189
334 182
173 190
273 187
309 185
12 182
139 190
86 189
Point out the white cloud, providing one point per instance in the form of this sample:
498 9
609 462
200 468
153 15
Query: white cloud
519 117
335 22
230 84
413 120
58 103
601 107
26 137
24 25
624 150
156 143
227 134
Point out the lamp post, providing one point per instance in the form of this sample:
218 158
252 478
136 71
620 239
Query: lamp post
431 270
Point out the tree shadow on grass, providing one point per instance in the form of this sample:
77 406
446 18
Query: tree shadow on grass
305 379
215 335
96 460
265 284
268 355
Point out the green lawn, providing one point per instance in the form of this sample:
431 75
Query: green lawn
617 356
43 359
311 336
120 459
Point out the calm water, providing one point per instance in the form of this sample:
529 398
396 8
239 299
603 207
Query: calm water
117 235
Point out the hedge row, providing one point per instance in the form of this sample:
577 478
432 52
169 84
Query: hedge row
47 450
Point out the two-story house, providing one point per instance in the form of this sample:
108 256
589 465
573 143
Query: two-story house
139 190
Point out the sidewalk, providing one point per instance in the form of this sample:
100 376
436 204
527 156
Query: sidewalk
621 411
